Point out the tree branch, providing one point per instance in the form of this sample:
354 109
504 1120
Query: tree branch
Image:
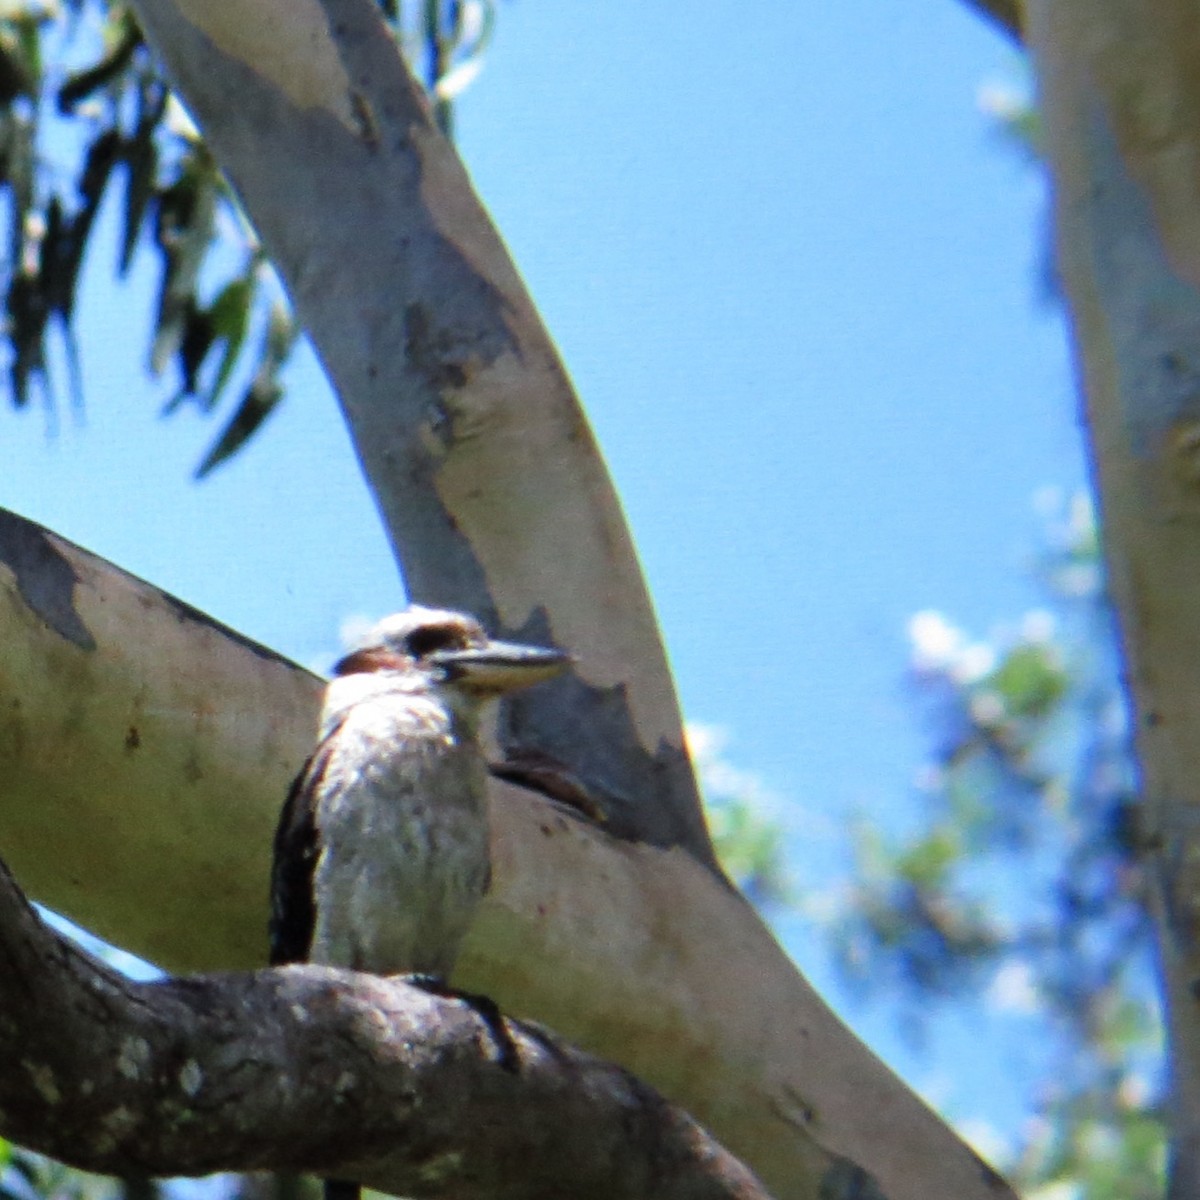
1004 13
1119 95
492 489
311 1069
145 753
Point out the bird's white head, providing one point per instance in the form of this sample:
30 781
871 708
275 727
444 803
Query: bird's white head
445 650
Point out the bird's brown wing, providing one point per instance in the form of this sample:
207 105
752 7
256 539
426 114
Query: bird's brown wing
542 772
297 848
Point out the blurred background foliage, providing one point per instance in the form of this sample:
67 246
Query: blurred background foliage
1020 886
1019 874
1015 886
84 113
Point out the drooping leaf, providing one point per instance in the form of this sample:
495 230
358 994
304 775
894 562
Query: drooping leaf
230 315
20 180
63 274
28 303
27 27
183 231
102 155
15 79
141 161
263 394
198 338
257 404
82 84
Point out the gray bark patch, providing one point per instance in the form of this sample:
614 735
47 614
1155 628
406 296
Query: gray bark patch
1153 312
647 793
45 579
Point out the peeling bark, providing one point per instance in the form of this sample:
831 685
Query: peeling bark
490 484
312 1069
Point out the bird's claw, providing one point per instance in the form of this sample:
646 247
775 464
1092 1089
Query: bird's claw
507 1054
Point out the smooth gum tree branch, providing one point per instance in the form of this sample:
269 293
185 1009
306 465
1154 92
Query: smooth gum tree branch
145 754
490 484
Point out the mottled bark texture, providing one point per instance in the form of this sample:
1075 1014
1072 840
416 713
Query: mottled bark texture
311 1069
1119 93
145 753
491 487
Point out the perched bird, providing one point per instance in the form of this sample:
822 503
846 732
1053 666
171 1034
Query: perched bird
381 853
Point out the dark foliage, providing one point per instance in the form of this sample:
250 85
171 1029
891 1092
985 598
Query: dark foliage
222 316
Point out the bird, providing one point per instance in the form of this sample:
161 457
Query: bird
381 851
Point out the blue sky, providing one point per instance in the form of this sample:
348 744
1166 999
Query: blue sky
793 275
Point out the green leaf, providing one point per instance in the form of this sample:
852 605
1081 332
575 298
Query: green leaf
230 314
28 307
751 848
183 232
82 84
1030 680
20 177
15 79
141 160
928 861
63 255
257 404
28 27
261 397
102 156
197 341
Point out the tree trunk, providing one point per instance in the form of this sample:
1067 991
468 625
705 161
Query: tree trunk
1119 83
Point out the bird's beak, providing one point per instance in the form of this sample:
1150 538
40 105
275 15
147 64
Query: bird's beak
500 666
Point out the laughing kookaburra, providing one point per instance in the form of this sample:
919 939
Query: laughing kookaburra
381 854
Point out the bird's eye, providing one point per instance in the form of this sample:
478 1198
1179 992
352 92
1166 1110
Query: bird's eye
422 642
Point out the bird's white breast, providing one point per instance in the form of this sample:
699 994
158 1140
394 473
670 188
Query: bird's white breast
402 825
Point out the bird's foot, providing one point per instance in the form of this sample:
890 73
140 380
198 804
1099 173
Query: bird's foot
485 1007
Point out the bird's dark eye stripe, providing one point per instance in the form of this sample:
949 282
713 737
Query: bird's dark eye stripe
425 641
